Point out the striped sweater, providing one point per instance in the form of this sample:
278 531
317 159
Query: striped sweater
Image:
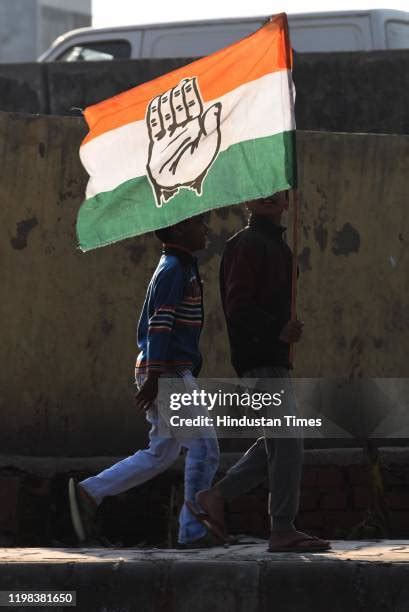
172 316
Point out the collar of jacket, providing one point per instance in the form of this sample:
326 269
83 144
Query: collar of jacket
266 226
184 255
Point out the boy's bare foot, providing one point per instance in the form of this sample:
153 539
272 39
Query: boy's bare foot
213 504
296 541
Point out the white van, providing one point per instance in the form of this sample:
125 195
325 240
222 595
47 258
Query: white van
310 32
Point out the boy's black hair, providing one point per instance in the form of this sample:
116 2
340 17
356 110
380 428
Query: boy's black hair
164 234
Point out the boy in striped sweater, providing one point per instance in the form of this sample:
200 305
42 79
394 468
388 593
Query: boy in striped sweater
168 338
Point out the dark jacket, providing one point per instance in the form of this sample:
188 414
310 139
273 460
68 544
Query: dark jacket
255 284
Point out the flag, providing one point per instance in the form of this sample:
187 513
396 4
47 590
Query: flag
216 132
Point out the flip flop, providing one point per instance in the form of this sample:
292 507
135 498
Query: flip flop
303 544
75 512
211 525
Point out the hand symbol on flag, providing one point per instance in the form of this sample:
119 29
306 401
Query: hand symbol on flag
184 140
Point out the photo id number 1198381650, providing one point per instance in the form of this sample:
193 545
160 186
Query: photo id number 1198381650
37 598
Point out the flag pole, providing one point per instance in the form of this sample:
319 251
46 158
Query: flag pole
293 202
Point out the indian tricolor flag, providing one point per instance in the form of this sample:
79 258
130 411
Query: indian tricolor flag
216 132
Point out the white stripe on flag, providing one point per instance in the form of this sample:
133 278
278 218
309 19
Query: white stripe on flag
254 110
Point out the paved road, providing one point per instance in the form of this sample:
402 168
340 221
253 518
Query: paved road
384 551
353 577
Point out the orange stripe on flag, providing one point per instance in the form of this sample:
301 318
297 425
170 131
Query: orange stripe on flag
261 53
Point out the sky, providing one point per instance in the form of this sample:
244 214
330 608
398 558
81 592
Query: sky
126 12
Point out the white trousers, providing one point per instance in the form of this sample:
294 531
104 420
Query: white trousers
201 463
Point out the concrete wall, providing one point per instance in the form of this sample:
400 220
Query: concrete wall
353 92
69 319
23 88
344 92
334 501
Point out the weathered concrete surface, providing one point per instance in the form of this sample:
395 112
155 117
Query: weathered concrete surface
347 92
354 255
76 85
23 88
69 319
355 576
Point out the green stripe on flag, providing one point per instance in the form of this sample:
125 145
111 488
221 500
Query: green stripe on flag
246 171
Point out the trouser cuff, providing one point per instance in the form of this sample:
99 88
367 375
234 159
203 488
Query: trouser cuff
282 523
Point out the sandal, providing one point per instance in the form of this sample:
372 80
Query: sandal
211 525
304 543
